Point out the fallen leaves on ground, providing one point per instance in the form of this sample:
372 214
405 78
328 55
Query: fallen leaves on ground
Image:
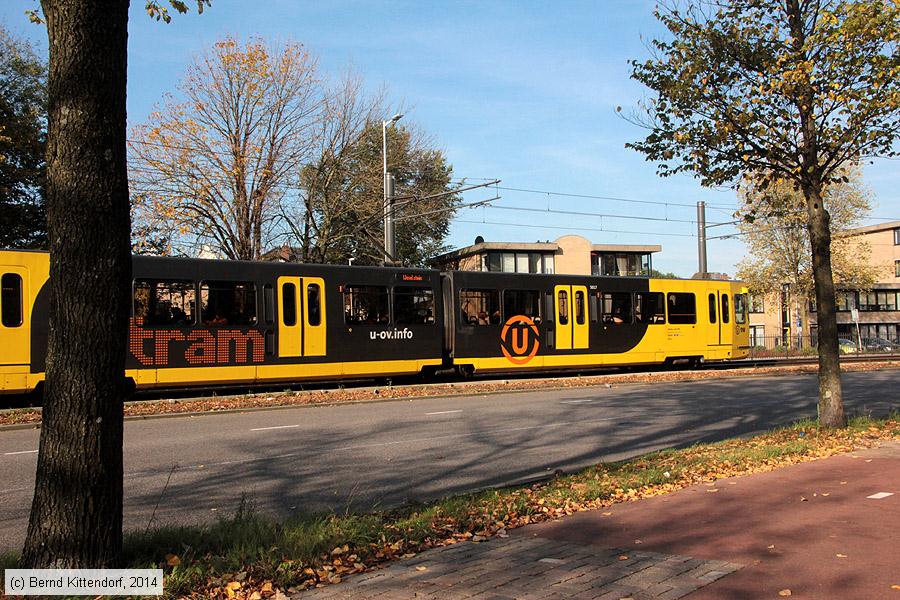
403 533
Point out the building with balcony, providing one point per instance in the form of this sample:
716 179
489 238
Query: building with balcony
570 255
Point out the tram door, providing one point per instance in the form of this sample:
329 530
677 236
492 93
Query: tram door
301 316
570 303
721 314
14 329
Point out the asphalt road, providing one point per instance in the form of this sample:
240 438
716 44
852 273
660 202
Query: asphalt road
362 456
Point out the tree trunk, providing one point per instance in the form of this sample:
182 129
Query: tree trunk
76 514
831 407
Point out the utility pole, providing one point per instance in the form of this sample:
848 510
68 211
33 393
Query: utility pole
388 194
701 237
389 253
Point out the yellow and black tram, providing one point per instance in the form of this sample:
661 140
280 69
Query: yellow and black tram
212 322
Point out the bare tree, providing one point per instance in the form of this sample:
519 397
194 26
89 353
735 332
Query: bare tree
339 216
211 170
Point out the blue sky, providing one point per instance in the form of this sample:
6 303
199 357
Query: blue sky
523 91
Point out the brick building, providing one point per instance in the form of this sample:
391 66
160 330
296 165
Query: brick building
778 320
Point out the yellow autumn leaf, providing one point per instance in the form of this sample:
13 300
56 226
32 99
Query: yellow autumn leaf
784 592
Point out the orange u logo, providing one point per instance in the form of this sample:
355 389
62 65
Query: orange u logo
517 334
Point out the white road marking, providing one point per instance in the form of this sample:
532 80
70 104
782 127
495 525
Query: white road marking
444 412
585 401
20 452
277 427
352 447
880 495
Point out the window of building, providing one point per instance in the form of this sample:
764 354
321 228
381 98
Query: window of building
314 304
897 237
289 304
758 335
521 302
897 268
519 262
509 262
615 307
579 307
649 307
726 310
413 305
868 301
11 300
757 304
548 263
563 307
165 303
480 307
740 309
846 301
682 308
712 308
231 303
620 264
886 300
366 305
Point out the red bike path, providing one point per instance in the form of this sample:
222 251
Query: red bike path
818 529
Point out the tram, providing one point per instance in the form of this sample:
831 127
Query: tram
198 322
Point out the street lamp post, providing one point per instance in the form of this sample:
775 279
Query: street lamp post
388 194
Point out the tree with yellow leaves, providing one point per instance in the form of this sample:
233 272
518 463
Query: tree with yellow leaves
775 228
769 89
213 168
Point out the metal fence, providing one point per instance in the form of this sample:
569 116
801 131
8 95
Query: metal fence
807 346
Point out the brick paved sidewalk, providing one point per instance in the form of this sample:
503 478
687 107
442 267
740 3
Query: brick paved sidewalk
825 529
525 566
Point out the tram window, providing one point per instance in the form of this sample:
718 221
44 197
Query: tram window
413 305
165 303
593 307
682 308
314 304
579 307
649 307
740 309
480 307
366 305
521 302
269 303
726 313
712 308
289 304
615 307
228 303
11 299
563 307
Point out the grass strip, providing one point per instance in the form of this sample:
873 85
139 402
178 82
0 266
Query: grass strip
251 556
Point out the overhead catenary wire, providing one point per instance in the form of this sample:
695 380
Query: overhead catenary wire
570 228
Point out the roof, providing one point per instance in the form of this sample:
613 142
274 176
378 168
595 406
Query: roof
648 248
537 247
873 228
485 246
